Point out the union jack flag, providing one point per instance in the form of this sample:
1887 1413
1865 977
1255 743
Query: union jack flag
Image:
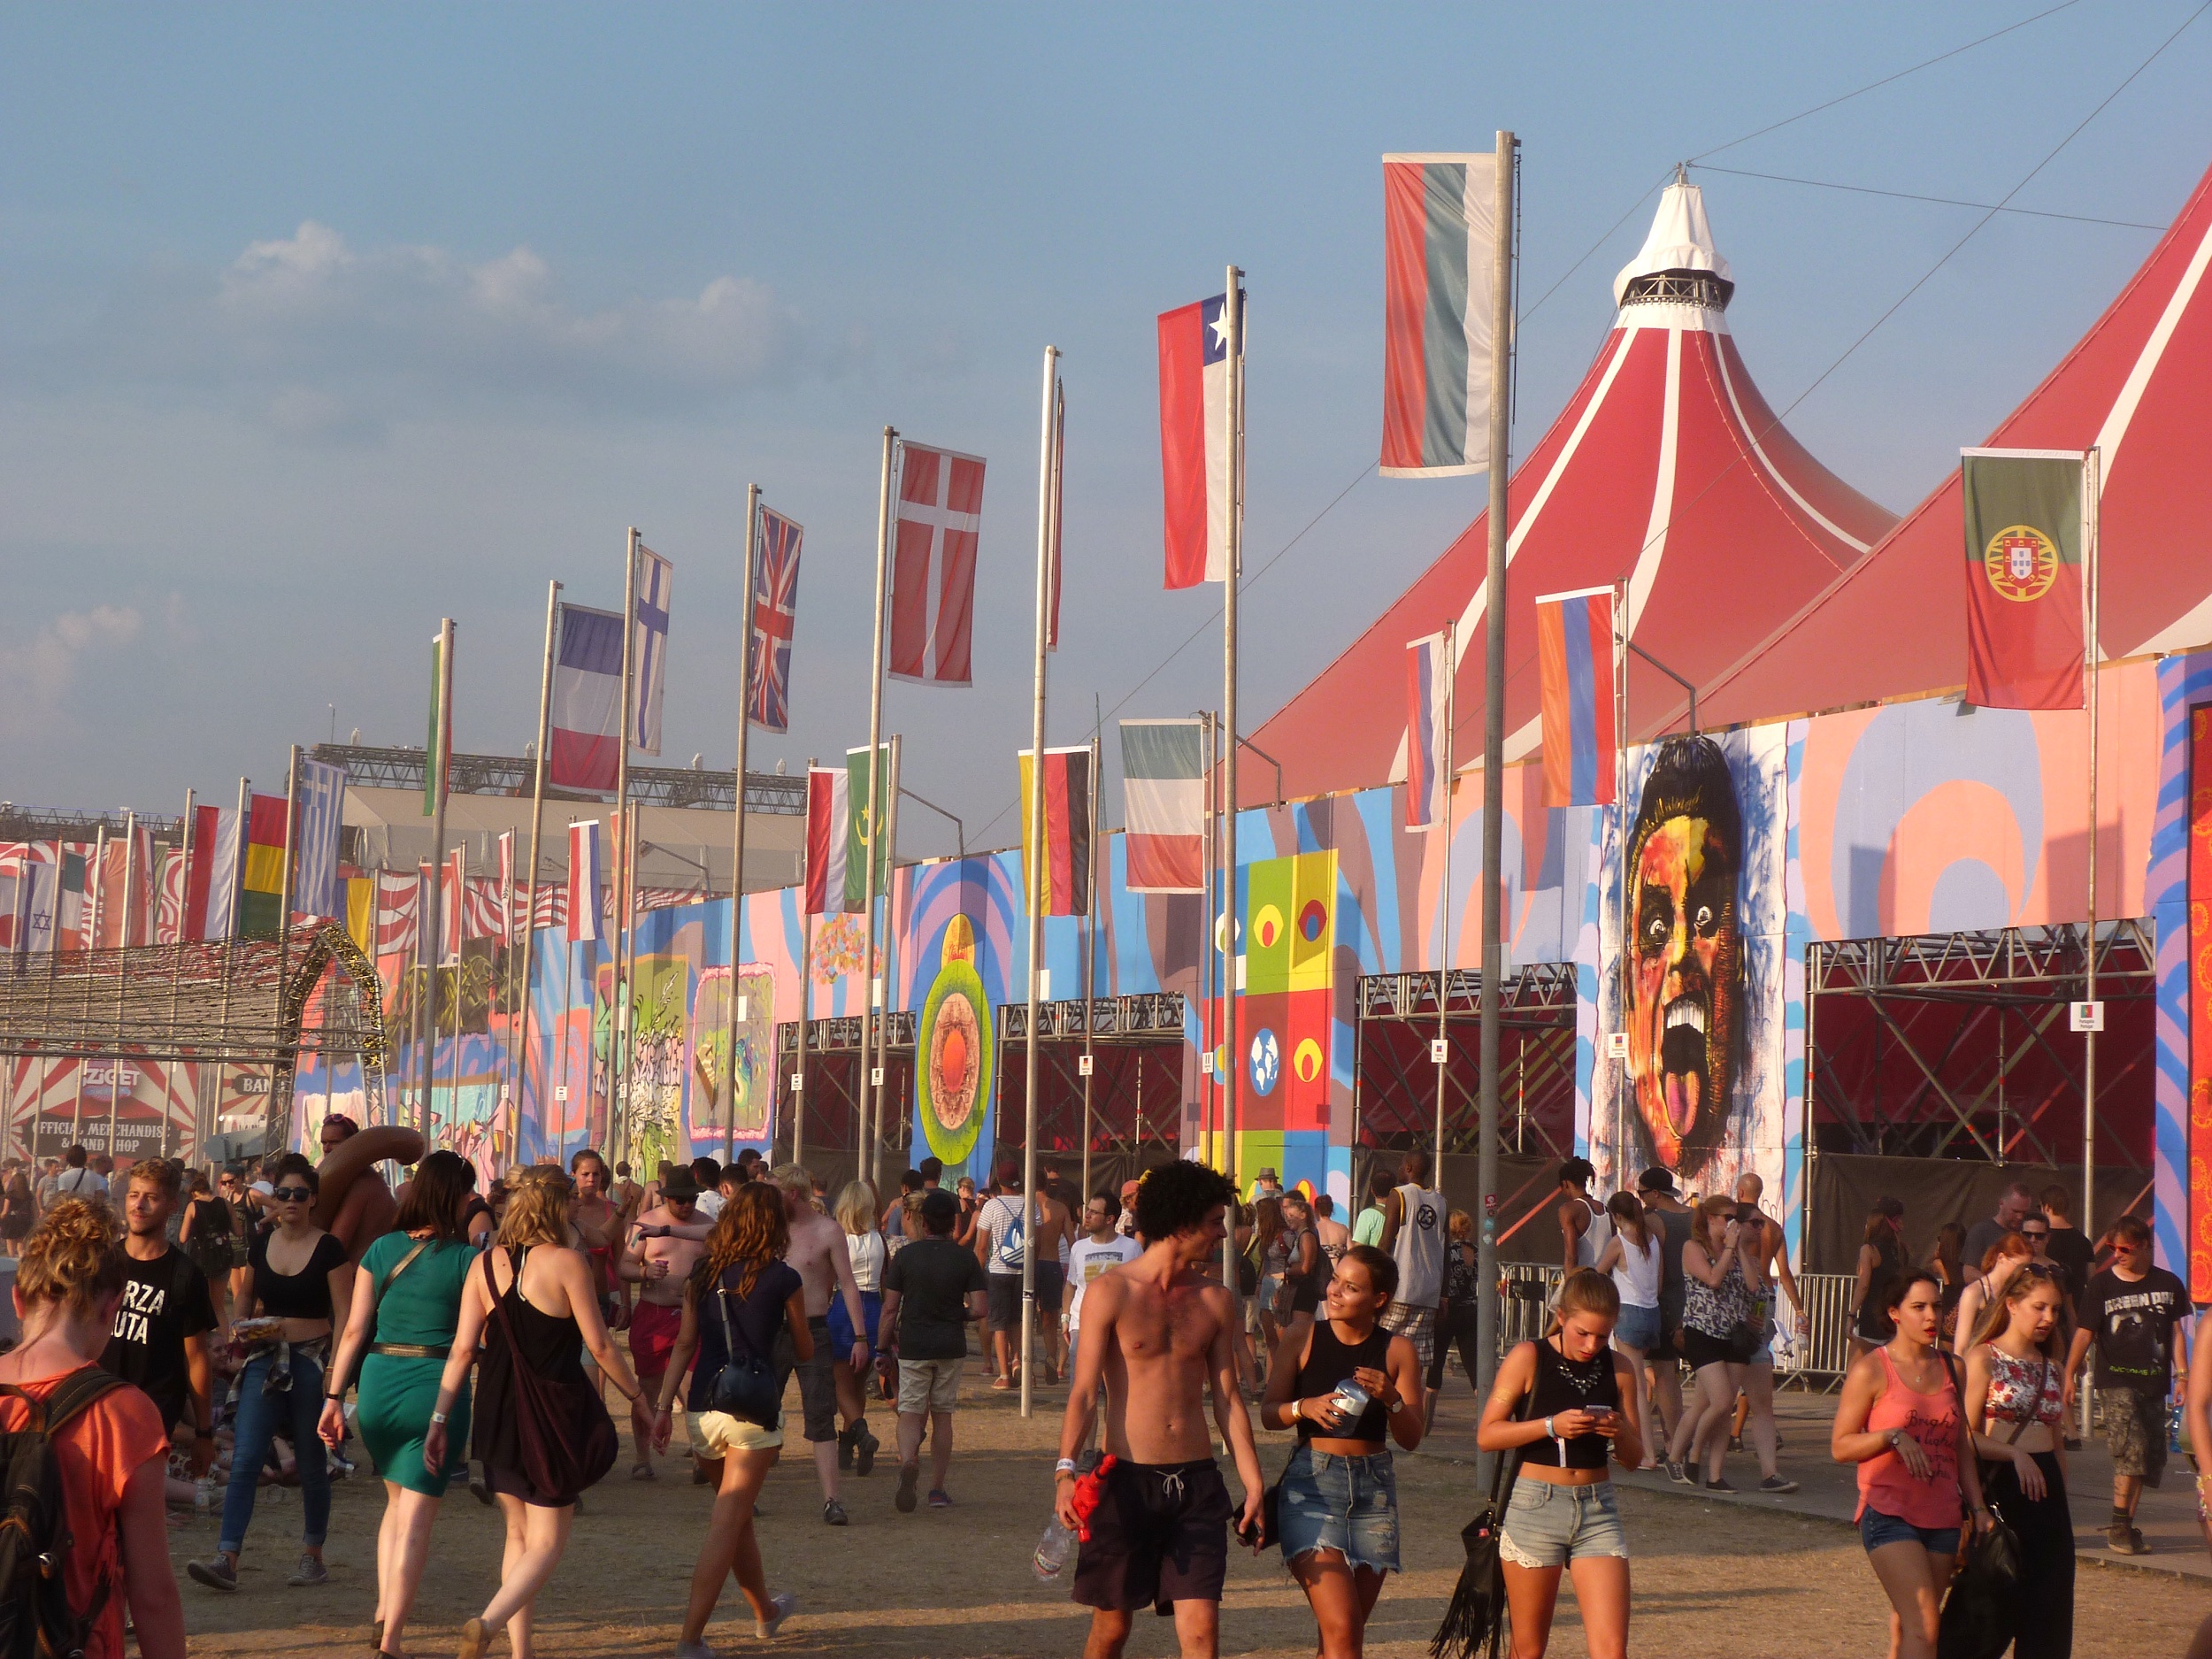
775 614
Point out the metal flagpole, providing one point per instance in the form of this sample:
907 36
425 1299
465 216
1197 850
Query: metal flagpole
875 791
1493 761
284 941
123 939
1620 843
230 953
92 936
176 969
745 601
530 890
1209 963
2091 483
1033 897
1233 572
1090 955
460 944
1444 943
881 1076
429 911
619 1054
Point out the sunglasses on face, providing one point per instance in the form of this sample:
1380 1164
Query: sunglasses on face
291 1194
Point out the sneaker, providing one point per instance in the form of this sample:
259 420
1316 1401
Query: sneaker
844 1448
477 1490
1777 1484
784 1605
910 1479
310 1570
2119 1539
216 1574
1678 1474
939 1499
2135 1538
1719 1483
865 1444
833 1513
695 1650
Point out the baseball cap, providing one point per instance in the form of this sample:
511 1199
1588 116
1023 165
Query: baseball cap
1656 1179
1008 1172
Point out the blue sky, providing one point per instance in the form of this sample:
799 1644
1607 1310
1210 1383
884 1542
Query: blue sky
318 323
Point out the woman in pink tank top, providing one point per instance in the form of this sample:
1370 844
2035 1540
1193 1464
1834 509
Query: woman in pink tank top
1899 1421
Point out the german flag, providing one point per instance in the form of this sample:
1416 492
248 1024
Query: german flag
1066 884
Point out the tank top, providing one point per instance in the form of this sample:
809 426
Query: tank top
1716 1310
301 1295
1562 1384
2023 1391
1885 1483
868 1253
550 1345
1420 1247
1595 1236
1638 1275
1328 1363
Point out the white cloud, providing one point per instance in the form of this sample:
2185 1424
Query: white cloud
34 677
319 339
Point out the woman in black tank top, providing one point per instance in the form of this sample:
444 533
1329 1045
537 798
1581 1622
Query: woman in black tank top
1567 1405
1337 1509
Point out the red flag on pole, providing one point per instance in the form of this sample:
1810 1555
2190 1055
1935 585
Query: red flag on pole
932 567
454 881
2025 593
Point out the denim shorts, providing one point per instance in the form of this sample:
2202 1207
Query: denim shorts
1638 1328
1348 1504
1549 1525
1876 1529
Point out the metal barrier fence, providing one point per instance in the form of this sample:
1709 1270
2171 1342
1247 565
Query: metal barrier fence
1819 1357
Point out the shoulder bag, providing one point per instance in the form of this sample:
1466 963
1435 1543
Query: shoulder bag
746 1387
1475 1618
1979 1608
567 1440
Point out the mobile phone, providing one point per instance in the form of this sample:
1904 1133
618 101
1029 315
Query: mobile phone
1601 1412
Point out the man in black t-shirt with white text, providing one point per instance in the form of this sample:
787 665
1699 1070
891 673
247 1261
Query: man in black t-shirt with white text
2131 1312
932 1290
159 1337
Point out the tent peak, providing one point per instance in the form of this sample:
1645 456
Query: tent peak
1677 263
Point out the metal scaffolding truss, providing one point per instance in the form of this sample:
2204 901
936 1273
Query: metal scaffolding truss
1396 1080
1973 1016
234 1002
1536 993
516 775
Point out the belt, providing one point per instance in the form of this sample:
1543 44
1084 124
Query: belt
409 1350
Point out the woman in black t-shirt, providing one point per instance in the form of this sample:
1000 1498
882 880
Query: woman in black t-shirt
745 1288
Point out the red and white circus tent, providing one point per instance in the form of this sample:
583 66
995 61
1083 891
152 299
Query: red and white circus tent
1667 471
2138 388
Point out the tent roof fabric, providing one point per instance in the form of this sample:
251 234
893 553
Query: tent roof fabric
2139 388
1666 471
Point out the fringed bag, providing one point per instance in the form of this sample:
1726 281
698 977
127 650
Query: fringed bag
1475 1618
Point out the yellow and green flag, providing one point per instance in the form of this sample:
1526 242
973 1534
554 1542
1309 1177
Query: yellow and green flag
261 904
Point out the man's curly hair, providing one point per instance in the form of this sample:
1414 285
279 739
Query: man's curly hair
1174 1198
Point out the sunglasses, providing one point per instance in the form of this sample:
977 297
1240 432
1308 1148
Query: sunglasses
292 1194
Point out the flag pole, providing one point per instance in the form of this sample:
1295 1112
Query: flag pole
618 1055
893 763
230 943
806 1002
176 970
93 879
1090 951
123 939
745 602
1620 843
1444 925
530 889
1487 1309
434 759
875 790
1034 841
288 868
1209 965
2092 486
1232 574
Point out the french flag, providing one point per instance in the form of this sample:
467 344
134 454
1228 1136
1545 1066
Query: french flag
1194 440
1428 695
586 740
586 874
1574 660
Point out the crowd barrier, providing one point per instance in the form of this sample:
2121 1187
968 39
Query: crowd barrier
1818 1359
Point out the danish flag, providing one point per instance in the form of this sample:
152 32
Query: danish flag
933 578
775 615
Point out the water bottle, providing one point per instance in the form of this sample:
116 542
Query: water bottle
1053 1550
2173 1429
1351 1400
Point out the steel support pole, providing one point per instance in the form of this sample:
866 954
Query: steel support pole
875 794
1494 612
427 919
2092 474
737 829
1444 905
530 888
1231 1062
619 1012
1033 883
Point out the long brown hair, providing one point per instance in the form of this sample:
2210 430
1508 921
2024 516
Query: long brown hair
1627 1211
751 1232
1996 1313
537 1208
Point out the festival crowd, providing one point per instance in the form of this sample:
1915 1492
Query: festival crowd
186 1343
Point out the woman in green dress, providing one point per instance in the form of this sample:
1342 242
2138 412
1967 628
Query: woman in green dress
406 1304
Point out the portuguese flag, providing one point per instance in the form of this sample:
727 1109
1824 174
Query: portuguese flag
261 904
2025 593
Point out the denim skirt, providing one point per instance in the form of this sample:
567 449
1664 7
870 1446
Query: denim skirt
1348 1504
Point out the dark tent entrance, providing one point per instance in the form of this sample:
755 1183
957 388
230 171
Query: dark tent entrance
1394 1089
1959 1047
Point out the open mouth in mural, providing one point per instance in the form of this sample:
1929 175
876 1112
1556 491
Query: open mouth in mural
1685 1071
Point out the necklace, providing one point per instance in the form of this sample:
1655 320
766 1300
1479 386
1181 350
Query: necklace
1596 1366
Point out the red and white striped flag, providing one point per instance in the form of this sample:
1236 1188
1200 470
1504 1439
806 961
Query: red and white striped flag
1440 238
507 887
586 874
828 824
452 890
933 569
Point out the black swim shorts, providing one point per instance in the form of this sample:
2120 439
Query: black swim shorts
1159 1536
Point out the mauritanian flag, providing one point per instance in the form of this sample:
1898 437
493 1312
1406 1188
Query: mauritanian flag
1439 238
1067 861
261 896
1574 662
2025 597
1163 806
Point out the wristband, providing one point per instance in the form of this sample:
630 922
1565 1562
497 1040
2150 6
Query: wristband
1548 1433
437 1417
1065 1466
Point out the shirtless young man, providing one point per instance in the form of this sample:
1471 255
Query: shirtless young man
598 1226
1156 1331
658 1262
825 1267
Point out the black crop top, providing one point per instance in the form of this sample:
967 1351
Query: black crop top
1564 1386
1328 1363
301 1295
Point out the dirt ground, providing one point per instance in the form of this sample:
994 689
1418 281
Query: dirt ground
1710 1578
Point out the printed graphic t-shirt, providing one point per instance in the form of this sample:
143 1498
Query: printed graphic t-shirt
2132 1322
164 1300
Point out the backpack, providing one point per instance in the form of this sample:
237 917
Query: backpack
1013 1243
37 1621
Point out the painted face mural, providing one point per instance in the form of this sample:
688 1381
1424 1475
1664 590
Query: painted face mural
1684 964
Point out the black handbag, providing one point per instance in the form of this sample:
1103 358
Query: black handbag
1475 1618
745 1387
1980 1608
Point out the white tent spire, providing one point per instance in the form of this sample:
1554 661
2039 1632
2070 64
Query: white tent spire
1680 244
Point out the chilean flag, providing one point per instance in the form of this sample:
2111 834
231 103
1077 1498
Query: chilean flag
1574 660
1194 440
587 737
586 874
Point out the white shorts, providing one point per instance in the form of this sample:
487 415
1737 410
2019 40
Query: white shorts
715 1434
